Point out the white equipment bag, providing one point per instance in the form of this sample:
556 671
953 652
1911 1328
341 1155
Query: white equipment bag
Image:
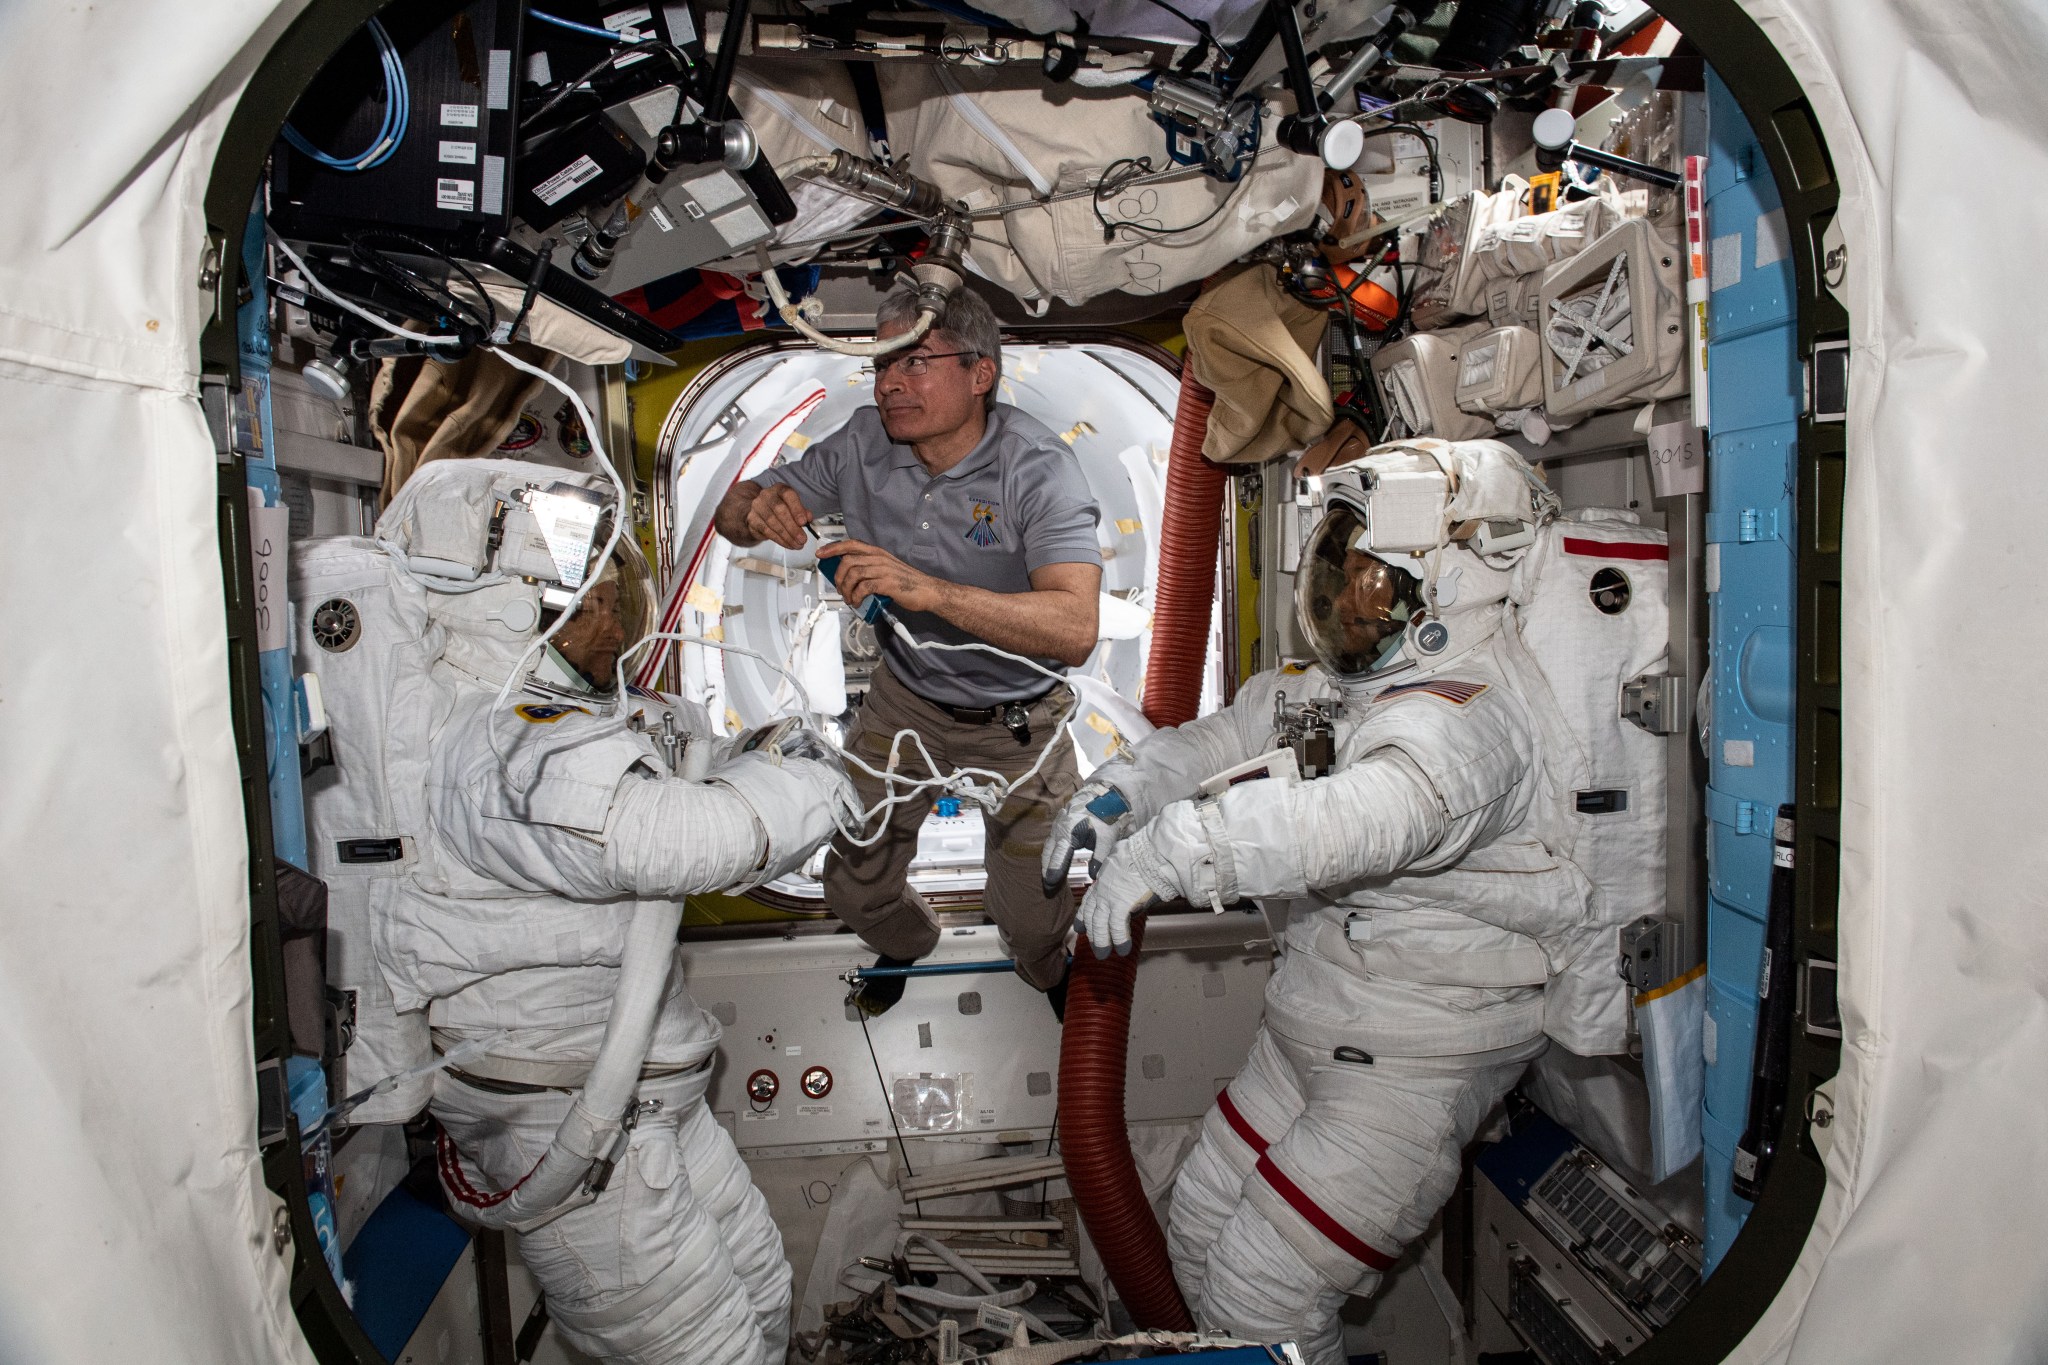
362 628
1592 611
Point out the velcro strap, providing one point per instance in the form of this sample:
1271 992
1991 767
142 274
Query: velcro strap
1222 858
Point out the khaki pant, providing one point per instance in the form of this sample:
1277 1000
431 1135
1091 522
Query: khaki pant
866 887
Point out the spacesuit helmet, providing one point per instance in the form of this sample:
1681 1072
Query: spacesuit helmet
501 547
1416 540
1354 606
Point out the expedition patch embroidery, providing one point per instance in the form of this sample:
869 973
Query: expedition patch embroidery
983 532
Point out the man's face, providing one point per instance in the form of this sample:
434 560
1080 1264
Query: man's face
937 403
592 638
1365 609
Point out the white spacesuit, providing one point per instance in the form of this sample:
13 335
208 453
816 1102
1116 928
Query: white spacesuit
563 826
1428 907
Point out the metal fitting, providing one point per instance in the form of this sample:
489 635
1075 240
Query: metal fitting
885 185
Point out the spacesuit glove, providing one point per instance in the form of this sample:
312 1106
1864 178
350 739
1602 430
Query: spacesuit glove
1096 817
798 803
1130 882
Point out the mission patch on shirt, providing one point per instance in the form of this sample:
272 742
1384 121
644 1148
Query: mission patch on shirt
1018 502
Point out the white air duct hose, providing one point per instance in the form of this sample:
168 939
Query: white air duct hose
794 316
1011 1299
593 1134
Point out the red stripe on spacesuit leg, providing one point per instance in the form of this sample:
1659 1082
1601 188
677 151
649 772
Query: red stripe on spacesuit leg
1240 1125
1342 1236
1612 549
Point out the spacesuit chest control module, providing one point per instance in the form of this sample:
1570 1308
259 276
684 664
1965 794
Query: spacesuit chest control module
1416 799
510 833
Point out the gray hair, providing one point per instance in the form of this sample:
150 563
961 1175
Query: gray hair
967 320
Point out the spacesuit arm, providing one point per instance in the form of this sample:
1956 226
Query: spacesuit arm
751 822
1170 765
1266 839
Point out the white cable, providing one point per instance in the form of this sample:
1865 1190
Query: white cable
597 450
324 292
685 638
619 516
793 315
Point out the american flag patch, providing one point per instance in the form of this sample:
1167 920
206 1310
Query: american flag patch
1456 693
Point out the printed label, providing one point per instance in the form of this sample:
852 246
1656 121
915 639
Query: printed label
269 533
814 1110
661 220
581 171
632 24
456 195
459 153
458 116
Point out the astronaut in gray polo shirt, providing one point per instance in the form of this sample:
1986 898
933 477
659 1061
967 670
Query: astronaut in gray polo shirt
975 522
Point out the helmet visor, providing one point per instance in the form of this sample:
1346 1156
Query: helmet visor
1354 606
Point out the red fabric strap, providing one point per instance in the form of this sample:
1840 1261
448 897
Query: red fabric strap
1321 1221
1615 549
1240 1124
458 1184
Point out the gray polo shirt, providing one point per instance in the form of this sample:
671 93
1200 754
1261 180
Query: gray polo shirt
1017 503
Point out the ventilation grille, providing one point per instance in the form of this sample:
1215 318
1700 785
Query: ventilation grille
1543 1322
1588 1209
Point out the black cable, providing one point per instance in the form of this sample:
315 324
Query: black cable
1051 1141
1428 139
429 293
1142 166
541 259
901 1145
569 88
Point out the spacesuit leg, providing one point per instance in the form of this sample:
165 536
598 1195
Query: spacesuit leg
645 1273
1262 1099
1334 1198
728 1193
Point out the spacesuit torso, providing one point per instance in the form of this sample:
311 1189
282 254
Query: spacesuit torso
1477 920
1425 917
513 923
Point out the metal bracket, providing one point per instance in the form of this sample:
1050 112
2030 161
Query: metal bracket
1649 952
1656 702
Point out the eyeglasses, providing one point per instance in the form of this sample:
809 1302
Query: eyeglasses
913 366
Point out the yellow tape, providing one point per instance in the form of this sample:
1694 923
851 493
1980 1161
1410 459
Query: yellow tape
705 598
1130 526
1676 983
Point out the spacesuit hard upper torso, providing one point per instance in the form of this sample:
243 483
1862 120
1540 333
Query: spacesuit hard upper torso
1425 917
514 921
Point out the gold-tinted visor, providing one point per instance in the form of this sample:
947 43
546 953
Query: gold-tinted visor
1353 605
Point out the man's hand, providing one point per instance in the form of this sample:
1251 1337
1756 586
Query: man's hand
778 514
865 569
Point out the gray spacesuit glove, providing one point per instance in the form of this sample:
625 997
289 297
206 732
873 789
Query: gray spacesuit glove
798 803
1131 881
1096 817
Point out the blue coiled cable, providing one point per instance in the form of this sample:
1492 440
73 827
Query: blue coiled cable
397 114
